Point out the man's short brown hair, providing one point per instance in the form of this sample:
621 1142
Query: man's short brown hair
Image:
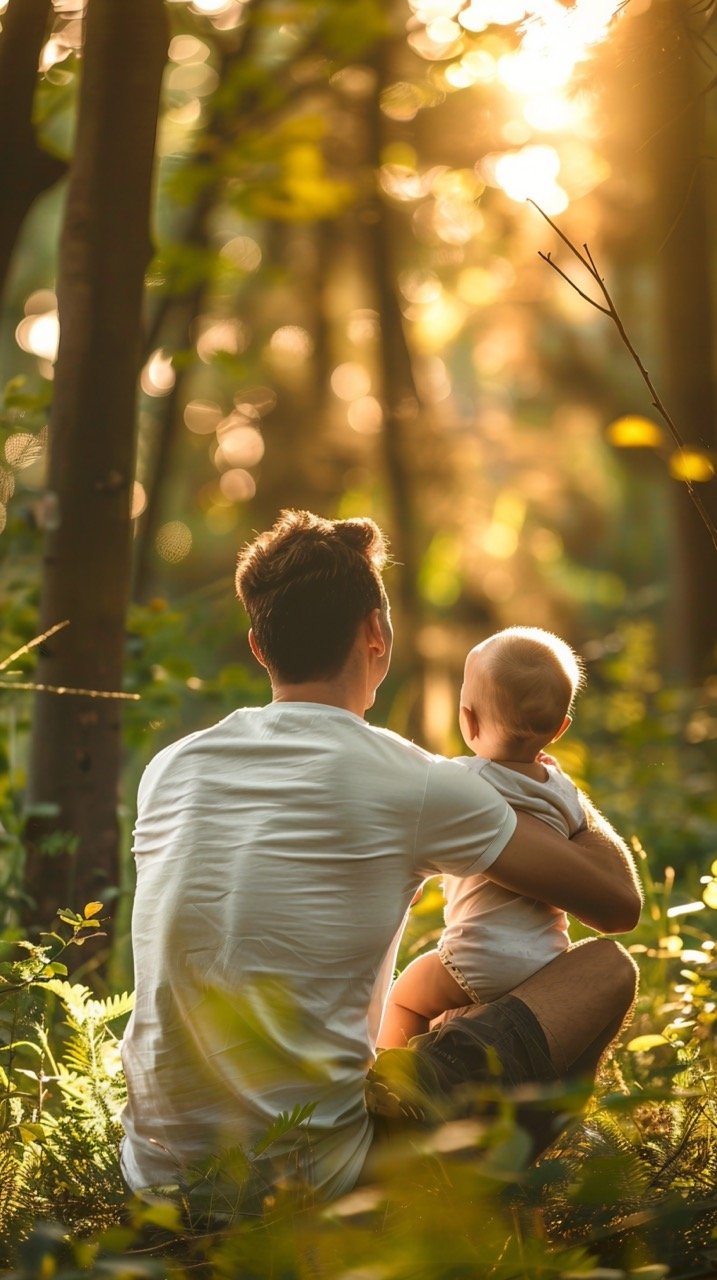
307 584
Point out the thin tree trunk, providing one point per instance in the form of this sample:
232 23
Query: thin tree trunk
176 331
27 170
105 249
401 407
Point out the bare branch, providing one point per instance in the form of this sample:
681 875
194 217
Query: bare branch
599 307
28 686
611 310
565 239
32 644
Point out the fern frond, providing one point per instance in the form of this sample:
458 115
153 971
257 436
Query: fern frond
73 996
104 1011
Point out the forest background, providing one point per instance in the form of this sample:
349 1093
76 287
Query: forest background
257 254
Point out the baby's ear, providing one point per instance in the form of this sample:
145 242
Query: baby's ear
563 728
469 724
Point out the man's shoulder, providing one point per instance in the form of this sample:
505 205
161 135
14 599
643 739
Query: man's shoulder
167 757
390 739
430 760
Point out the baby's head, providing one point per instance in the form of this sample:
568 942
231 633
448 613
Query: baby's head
518 689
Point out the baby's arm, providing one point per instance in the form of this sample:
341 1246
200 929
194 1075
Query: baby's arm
420 993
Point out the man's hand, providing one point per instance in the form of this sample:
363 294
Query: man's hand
543 758
592 876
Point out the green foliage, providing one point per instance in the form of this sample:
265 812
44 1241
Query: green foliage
186 677
647 753
62 1087
629 1186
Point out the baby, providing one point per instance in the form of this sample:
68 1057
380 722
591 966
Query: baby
518 690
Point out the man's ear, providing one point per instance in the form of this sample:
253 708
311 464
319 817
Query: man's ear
563 728
255 648
375 633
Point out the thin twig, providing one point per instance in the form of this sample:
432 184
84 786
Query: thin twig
32 687
62 689
32 644
587 261
547 258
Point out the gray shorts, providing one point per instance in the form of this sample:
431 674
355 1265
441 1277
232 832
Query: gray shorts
460 1069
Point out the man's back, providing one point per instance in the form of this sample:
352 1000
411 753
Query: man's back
277 853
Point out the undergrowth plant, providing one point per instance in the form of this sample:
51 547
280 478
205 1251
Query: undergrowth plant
62 1087
627 1189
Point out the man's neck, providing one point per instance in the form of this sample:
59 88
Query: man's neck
333 693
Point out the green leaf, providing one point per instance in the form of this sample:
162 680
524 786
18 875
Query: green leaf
32 1132
642 1043
161 1213
285 1122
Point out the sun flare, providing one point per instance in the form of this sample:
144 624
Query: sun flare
538 74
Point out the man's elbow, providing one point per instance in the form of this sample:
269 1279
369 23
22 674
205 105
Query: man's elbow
622 914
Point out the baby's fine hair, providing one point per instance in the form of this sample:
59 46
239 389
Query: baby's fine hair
525 680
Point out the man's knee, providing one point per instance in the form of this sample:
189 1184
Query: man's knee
618 965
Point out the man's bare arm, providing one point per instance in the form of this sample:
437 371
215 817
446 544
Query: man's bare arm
592 876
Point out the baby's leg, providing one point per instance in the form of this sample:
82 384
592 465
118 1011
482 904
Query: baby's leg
421 992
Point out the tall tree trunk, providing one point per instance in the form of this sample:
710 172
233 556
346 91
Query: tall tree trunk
27 169
105 249
659 140
401 408
683 201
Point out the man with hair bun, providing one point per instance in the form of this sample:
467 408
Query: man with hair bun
277 854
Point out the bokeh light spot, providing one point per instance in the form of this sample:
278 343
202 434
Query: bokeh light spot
219 336
39 302
210 6
173 541
363 326
692 466
7 485
291 343
350 380
158 376
22 449
196 78
184 48
139 500
202 416
365 415
242 252
633 432
39 335
239 444
529 173
237 485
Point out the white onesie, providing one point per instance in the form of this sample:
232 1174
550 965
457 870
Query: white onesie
493 939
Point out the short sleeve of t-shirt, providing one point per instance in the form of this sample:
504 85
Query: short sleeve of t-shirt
464 823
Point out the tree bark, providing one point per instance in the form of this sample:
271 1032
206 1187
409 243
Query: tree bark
402 411
683 201
104 252
658 146
27 168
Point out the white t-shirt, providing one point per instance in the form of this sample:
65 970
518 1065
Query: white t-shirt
494 939
277 853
